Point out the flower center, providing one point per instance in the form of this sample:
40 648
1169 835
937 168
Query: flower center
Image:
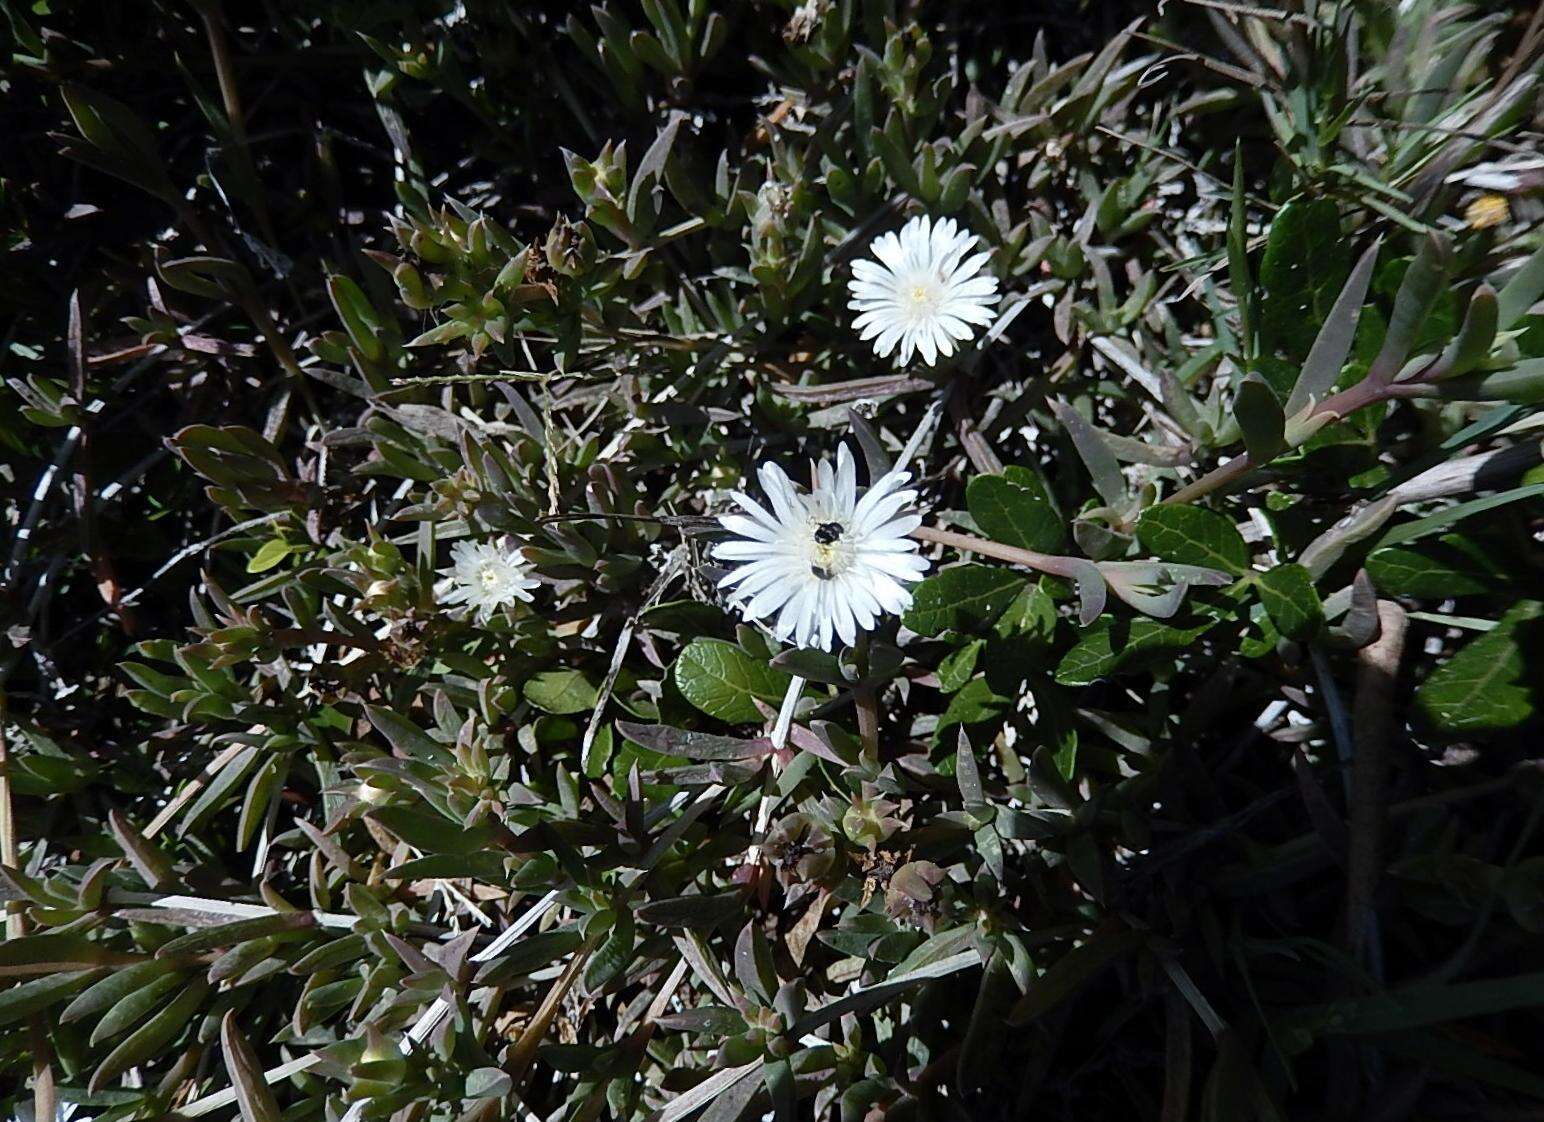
829 554
488 575
920 298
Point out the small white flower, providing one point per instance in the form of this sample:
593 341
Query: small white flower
823 562
487 577
922 292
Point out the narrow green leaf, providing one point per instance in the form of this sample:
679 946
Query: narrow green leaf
1238 260
153 1035
114 988
1321 370
408 738
699 912
25 999
246 1074
1475 338
1521 291
1261 420
1095 452
1423 282
1447 516
1071 971
360 319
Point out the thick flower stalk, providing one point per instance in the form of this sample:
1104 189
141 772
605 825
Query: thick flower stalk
823 564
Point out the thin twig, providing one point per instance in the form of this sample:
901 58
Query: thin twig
15 922
671 569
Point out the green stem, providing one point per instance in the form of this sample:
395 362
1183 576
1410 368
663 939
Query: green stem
1040 562
867 702
1369 391
225 74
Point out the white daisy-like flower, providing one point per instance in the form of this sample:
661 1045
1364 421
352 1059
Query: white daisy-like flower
823 562
487 577
923 292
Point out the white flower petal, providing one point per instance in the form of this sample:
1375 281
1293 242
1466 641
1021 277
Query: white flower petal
811 582
923 292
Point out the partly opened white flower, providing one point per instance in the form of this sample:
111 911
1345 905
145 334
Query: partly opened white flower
922 292
823 562
486 577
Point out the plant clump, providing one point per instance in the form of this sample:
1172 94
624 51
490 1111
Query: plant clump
848 559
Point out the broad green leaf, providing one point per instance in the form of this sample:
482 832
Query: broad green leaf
724 682
811 665
1305 265
1016 510
1291 601
273 551
975 703
1112 645
560 691
684 617
1487 684
961 598
1452 565
1191 535
956 667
